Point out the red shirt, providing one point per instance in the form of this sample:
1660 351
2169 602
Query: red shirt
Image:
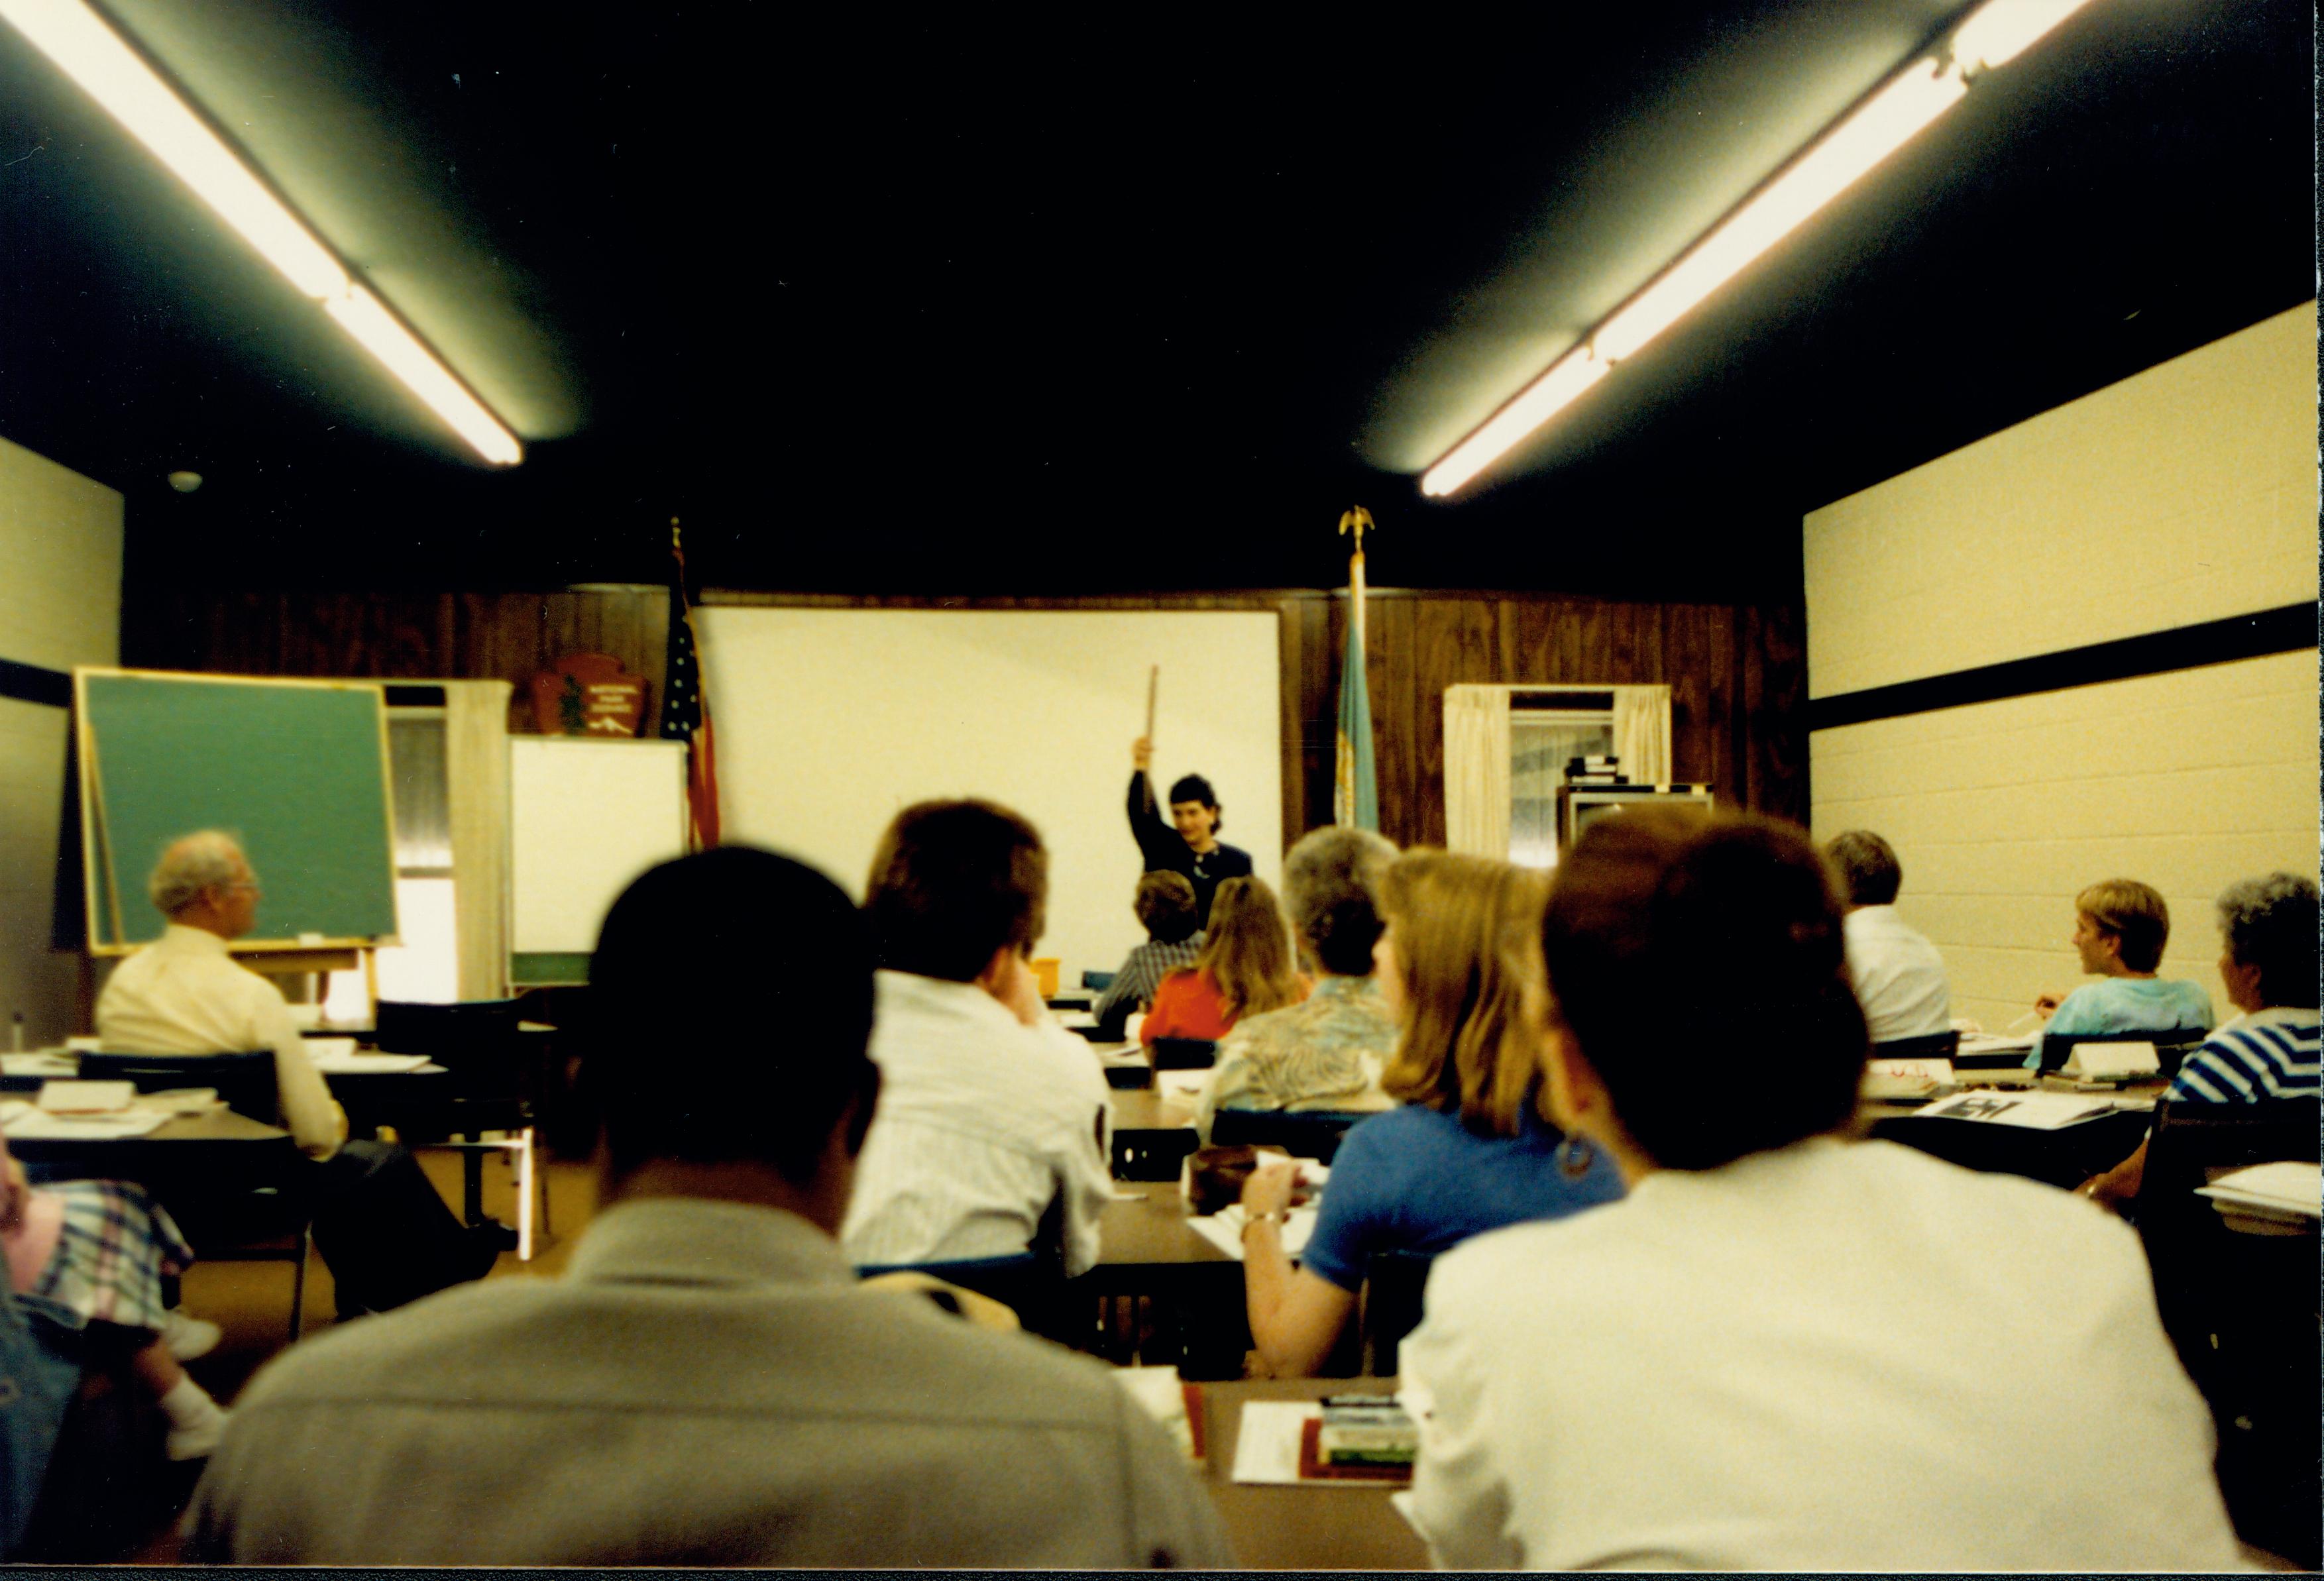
1187 1004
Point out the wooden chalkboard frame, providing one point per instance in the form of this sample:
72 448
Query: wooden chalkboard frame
98 866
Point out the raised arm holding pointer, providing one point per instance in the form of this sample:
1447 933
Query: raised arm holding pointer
1189 842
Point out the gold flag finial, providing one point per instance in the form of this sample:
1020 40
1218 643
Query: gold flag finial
1358 521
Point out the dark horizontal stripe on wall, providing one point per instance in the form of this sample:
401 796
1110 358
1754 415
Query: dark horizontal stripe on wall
32 684
2287 630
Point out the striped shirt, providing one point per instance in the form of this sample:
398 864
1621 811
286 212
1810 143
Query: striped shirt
981 1122
2266 1054
1141 973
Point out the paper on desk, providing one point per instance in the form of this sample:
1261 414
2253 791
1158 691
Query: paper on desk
2034 1111
1267 1443
2289 1187
1125 1053
39 1063
1223 1229
36 1125
348 1062
1989 1043
1183 1084
1073 1019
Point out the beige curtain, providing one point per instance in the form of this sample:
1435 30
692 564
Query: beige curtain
1642 733
476 766
1477 769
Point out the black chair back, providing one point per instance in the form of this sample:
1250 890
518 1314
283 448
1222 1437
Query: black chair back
446 1033
1304 1134
1394 1283
1934 1045
244 1081
2193 1142
2172 1045
1184 1053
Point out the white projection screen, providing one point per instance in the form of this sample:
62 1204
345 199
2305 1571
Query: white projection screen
829 721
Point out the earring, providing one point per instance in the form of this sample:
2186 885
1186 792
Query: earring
1575 1156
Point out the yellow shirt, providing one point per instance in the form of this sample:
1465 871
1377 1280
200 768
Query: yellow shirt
184 995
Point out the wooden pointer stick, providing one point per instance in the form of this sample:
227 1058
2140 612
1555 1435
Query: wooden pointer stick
1153 682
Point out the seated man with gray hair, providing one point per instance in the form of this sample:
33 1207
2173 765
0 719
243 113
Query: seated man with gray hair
1326 1052
1899 977
386 1235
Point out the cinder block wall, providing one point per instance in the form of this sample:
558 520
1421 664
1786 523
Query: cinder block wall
2185 494
60 606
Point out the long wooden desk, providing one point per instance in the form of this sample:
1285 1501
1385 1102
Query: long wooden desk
1301 1527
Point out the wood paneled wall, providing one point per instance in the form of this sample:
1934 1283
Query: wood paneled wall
1736 672
449 636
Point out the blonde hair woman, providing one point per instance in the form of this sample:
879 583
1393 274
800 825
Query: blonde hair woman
1467 1151
1245 969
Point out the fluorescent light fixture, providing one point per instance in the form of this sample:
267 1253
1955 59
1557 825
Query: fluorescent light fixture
87 48
1567 378
383 336
1890 118
2000 31
1885 123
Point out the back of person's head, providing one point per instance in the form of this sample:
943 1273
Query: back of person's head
1699 966
207 859
1466 934
1330 886
1869 873
730 1005
1246 949
2133 913
2269 924
1193 787
1165 904
951 883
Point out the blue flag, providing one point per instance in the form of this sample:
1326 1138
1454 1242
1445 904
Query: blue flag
1355 795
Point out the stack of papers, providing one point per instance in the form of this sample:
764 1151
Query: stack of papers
1266 1444
2290 1191
39 1063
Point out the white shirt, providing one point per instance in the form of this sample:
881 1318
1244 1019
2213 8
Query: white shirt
1900 978
183 993
1836 1356
982 1121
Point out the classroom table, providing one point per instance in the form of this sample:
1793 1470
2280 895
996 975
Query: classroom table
2064 1158
1147 1249
1276 1528
221 1141
1151 1133
198 1166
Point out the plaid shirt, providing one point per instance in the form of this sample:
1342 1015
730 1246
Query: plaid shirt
1142 971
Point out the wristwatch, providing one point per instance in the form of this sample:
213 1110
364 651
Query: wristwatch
1281 1216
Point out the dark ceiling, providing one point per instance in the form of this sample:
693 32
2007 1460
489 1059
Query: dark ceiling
974 303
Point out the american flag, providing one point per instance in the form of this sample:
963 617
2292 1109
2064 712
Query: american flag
685 714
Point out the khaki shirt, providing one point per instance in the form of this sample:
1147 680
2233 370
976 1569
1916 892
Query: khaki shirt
708 1384
183 993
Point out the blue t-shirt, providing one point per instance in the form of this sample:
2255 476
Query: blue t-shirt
2128 1004
1414 1180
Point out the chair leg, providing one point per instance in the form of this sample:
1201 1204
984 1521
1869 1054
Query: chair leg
299 1285
472 1186
524 1172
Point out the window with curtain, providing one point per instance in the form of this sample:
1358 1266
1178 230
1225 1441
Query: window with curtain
1541 742
426 966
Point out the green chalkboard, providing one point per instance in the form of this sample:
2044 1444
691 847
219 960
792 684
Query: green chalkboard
296 769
